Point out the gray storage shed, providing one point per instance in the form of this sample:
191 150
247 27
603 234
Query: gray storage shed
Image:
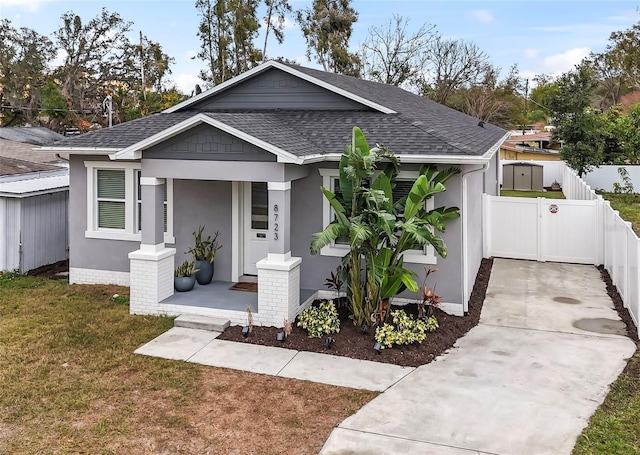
522 176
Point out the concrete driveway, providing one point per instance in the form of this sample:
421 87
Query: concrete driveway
524 381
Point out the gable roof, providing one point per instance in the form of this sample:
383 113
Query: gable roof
407 124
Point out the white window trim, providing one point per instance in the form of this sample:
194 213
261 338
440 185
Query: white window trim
427 256
130 232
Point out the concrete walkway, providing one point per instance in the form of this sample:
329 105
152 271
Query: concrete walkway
524 381
201 346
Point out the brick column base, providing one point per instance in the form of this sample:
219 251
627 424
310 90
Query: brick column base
150 278
278 289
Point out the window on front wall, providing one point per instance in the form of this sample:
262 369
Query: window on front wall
404 182
111 198
114 203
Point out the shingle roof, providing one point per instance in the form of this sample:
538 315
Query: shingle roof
420 126
36 135
12 166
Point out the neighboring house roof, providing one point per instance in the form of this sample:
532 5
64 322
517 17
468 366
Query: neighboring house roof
12 166
33 186
404 122
35 135
23 151
521 149
546 136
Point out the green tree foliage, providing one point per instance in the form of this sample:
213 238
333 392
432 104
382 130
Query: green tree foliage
393 55
492 100
380 228
578 125
24 55
327 26
95 53
626 131
227 31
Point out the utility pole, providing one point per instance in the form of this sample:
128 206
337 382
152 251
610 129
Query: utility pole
144 91
526 95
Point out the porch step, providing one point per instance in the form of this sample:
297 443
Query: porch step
192 321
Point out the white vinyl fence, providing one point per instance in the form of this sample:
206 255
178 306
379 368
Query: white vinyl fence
621 245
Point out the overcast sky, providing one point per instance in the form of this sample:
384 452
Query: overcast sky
543 36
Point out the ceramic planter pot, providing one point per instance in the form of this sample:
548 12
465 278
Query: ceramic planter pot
184 283
204 275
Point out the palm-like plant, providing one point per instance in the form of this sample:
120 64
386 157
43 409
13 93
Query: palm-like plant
380 229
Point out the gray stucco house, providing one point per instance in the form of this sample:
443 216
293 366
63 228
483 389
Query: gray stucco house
247 158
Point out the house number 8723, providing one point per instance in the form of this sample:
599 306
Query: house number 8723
275 222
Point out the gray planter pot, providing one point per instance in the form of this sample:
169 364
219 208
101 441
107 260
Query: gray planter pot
184 283
204 275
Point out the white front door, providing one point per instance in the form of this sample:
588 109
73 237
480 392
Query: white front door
256 225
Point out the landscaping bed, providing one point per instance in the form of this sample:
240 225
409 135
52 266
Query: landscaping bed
351 342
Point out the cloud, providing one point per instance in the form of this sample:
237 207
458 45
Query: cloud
28 5
560 63
531 53
186 82
482 15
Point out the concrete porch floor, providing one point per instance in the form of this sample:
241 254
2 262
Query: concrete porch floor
217 295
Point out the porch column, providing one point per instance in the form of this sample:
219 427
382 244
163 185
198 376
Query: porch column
151 267
279 272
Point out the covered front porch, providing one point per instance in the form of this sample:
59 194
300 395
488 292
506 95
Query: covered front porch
220 193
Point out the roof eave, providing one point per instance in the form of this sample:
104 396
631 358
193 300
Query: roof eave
77 150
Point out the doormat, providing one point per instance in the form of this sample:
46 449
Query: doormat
244 286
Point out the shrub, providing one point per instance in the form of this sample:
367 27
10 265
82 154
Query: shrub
320 320
404 330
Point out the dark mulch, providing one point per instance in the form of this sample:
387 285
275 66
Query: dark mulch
632 331
350 342
55 271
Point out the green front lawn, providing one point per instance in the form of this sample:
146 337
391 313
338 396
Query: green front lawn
615 427
533 194
70 383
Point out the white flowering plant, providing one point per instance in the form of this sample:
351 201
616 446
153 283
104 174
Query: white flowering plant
320 320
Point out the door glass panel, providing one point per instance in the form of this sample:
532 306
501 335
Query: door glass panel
259 205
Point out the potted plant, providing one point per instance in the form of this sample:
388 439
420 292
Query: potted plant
204 253
184 277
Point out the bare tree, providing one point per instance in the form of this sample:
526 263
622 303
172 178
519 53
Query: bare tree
393 55
453 64
274 20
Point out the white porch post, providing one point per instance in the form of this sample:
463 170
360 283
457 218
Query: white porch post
279 273
151 267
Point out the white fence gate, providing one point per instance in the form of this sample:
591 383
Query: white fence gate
543 229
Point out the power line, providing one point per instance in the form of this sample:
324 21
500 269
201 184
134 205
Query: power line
75 111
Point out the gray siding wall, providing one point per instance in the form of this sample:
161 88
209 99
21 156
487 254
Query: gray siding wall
275 89
91 253
206 203
204 142
10 233
306 219
44 230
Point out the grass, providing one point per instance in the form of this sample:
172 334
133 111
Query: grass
71 384
533 194
615 427
629 207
